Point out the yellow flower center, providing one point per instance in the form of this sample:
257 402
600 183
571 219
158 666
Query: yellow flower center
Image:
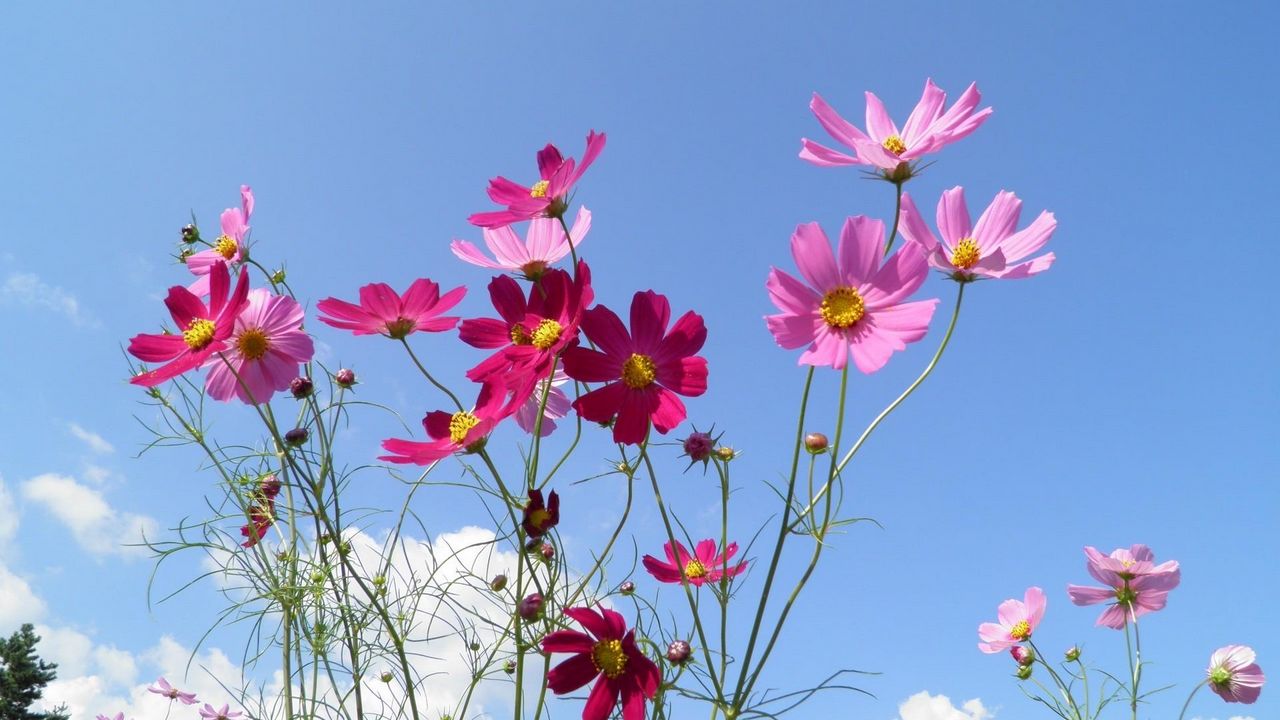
460 424
894 144
225 246
520 336
638 371
546 334
1020 631
534 269
842 307
608 657
253 344
399 328
966 254
695 569
199 333
538 518
539 189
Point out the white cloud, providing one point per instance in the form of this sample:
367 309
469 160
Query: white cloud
8 517
95 441
29 290
96 526
923 706
1233 717
18 603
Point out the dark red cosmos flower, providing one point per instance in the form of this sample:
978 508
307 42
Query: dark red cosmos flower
540 516
548 197
261 512
608 653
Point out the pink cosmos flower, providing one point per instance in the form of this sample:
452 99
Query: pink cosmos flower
643 368
266 348
853 303
461 431
544 245
119 716
205 329
230 247
994 248
384 312
705 565
608 655
1135 584
545 198
1234 675
1016 621
556 408
223 713
162 687
883 145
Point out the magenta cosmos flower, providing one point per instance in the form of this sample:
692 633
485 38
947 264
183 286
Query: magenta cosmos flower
461 431
543 246
994 248
1234 675
208 712
883 145
1016 620
266 348
643 369
853 305
119 716
230 247
545 198
705 565
205 329
162 687
384 312
1135 584
608 653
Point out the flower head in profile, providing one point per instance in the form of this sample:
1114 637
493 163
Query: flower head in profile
382 311
452 432
704 565
208 712
850 306
203 329
266 348
163 688
606 653
1016 620
548 197
230 247
994 248
556 407
1135 584
543 246
928 129
1234 675
540 515
643 369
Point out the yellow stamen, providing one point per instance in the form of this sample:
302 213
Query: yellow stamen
609 658
520 336
639 371
253 343
546 334
842 307
199 333
225 246
538 518
966 254
539 189
1021 630
695 569
460 424
894 144
534 269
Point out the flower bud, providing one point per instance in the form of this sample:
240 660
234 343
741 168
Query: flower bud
475 647
815 443
725 453
301 387
1073 653
278 276
510 667
627 588
270 486
531 607
698 447
498 583
547 551
386 676
1022 655
1024 672
678 652
190 234
296 436
346 377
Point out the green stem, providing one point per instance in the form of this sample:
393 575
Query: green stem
1062 687
897 213
422 368
1187 704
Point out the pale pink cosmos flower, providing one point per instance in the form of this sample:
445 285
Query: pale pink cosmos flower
549 196
382 311
544 245
1234 675
119 716
1016 621
230 247
883 145
850 306
1135 584
994 248
266 348
557 404
162 687
208 712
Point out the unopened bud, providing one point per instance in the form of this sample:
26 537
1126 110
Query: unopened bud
475 647
678 652
346 377
815 443
725 453
296 436
627 588
498 583
1022 655
531 607
386 676
277 277
547 551
1073 653
698 446
190 234
301 387
510 667
1024 672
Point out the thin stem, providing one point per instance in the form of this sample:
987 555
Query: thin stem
1066 692
1194 690
897 213
422 368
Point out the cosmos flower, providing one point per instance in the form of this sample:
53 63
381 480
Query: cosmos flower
994 248
557 405
851 306
643 369
1016 621
705 565
548 197
384 312
264 351
230 247
606 653
461 431
1234 675
162 687
539 515
223 713
1135 584
543 246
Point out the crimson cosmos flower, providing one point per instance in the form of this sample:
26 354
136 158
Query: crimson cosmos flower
705 565
460 431
383 311
545 198
539 515
608 653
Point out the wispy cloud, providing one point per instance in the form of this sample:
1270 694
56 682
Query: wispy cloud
923 706
95 441
29 290
98 528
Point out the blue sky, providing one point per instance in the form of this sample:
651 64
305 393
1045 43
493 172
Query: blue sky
1128 395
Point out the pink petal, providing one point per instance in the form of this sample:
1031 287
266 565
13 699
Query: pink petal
813 257
998 221
953 217
925 113
823 156
861 247
879 124
913 226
